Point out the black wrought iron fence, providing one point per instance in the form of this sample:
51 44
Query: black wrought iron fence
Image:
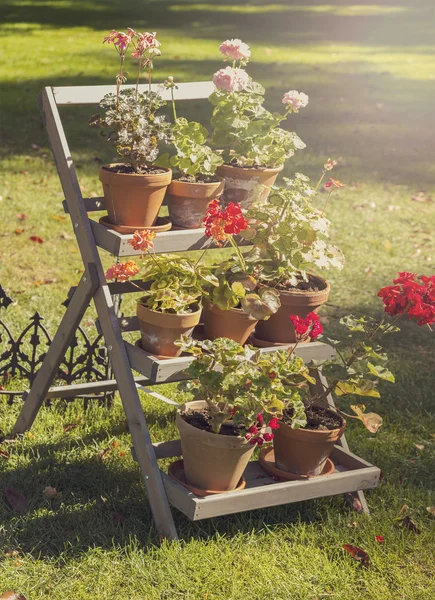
21 354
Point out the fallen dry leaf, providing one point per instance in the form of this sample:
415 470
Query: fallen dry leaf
65 236
104 454
356 505
58 217
380 539
419 447
357 554
16 500
19 230
12 554
409 524
4 454
21 216
421 197
12 596
51 493
46 281
36 239
431 510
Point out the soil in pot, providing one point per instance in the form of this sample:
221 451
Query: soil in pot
247 185
211 461
159 331
306 297
134 199
188 199
234 323
305 451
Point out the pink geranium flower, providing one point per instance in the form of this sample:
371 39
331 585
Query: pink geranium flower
295 100
231 79
235 50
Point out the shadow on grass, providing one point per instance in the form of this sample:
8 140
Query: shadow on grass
374 136
303 23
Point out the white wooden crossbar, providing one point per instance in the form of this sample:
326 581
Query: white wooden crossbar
84 94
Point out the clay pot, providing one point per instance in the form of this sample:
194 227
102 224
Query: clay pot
247 185
211 461
188 202
278 328
133 199
234 323
304 451
160 330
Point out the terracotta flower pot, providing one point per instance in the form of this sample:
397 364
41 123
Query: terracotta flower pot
211 461
188 202
304 451
247 185
133 199
233 323
160 330
278 328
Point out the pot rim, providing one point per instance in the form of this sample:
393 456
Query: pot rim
253 169
159 312
236 311
106 170
200 183
306 293
210 435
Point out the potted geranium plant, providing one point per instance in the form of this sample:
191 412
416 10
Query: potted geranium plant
238 393
234 306
253 145
195 183
134 189
171 302
290 243
302 446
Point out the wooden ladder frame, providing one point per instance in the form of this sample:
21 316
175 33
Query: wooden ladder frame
93 286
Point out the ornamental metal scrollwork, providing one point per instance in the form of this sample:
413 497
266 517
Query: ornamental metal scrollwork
21 356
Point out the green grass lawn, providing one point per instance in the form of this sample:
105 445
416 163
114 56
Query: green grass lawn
369 69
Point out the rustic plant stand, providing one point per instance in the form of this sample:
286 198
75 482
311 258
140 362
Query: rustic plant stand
351 473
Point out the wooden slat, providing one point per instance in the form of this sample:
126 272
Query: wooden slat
81 95
263 491
167 449
172 369
91 204
91 387
167 241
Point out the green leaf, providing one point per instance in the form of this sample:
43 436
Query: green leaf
358 387
238 289
381 372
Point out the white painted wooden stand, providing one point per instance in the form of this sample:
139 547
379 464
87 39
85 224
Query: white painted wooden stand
352 473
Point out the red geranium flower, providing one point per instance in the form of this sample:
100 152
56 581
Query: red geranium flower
334 183
310 325
220 224
274 423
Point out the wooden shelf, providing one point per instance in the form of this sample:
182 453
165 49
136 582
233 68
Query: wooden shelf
262 491
172 369
181 240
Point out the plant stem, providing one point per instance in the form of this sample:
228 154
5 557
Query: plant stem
238 252
173 104
149 76
326 202
320 180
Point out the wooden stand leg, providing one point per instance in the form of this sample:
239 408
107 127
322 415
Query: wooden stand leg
359 495
67 328
135 417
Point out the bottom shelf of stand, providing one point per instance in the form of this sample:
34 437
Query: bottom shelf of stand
351 474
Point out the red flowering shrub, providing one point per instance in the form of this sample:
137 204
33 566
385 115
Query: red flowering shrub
411 295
